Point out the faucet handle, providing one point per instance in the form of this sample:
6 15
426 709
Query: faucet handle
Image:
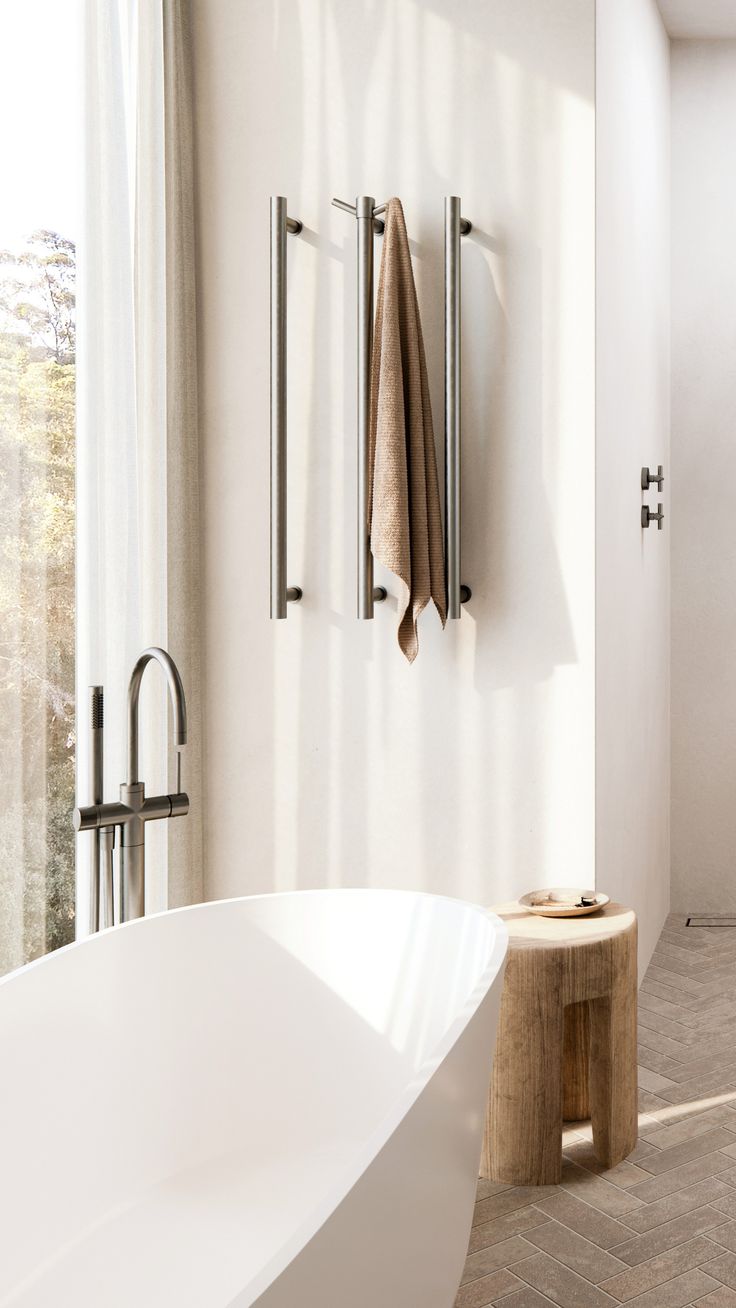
179 804
647 517
648 478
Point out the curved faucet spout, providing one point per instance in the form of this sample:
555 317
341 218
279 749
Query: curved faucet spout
178 703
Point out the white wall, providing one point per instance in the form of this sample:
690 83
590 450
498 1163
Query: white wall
329 760
704 477
632 430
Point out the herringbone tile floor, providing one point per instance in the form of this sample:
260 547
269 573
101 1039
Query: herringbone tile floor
659 1230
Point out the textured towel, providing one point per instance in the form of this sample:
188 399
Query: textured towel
404 520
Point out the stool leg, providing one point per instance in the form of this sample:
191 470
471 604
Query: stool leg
576 1062
613 1062
523 1140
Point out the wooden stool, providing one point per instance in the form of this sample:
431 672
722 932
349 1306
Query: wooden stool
566 1045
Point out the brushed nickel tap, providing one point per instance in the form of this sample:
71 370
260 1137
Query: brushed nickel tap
134 808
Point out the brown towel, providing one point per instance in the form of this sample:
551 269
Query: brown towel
405 521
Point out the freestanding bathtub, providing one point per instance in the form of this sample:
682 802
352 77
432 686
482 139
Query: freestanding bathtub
273 1101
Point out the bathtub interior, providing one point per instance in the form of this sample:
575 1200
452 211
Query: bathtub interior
207 1074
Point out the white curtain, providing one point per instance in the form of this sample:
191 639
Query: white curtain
137 498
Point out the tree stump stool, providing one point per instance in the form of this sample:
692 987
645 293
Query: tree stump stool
566 1044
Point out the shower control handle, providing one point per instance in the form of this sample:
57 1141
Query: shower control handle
648 478
647 517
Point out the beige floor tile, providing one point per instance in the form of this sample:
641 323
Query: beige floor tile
563 1286
677 1178
668 1235
658 1062
678 1293
673 994
713 1000
709 1191
661 1044
653 1081
657 1271
595 1226
703 1089
671 1008
666 948
693 1125
665 1159
664 961
609 1199
487 1260
653 1021
648 1122
720 1298
641 1151
674 1113
485 1188
626 1174
726 1205
515 1223
508 1201
708 1047
723 1063
526 1298
650 1103
574 1251
677 980
723 1268
480 1293
725 1236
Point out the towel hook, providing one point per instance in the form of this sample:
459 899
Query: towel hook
378 225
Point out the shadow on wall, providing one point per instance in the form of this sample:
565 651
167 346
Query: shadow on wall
444 776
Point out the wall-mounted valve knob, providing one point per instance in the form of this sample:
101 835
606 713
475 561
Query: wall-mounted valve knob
647 517
648 478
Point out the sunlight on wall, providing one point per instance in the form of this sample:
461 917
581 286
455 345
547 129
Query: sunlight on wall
470 773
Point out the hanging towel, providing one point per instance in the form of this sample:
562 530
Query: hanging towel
405 521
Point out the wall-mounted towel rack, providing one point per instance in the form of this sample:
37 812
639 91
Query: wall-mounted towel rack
455 227
281 594
366 212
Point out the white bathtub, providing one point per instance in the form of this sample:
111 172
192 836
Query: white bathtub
275 1100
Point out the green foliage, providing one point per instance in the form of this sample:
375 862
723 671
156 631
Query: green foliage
37 620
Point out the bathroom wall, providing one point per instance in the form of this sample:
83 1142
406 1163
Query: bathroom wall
632 430
329 760
704 476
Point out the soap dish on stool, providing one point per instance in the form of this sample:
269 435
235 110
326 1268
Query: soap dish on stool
563 901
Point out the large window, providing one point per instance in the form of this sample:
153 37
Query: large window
38 224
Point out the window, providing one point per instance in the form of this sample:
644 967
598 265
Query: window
38 223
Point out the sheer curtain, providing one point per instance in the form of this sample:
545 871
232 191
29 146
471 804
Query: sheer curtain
137 449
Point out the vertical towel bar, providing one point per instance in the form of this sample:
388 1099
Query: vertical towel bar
281 594
365 211
455 226
364 206
96 736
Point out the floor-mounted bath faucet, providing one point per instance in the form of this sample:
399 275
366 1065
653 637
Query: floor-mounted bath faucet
134 809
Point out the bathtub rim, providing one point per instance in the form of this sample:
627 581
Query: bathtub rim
328 1201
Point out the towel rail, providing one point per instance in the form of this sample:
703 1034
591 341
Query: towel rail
455 226
365 210
281 594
